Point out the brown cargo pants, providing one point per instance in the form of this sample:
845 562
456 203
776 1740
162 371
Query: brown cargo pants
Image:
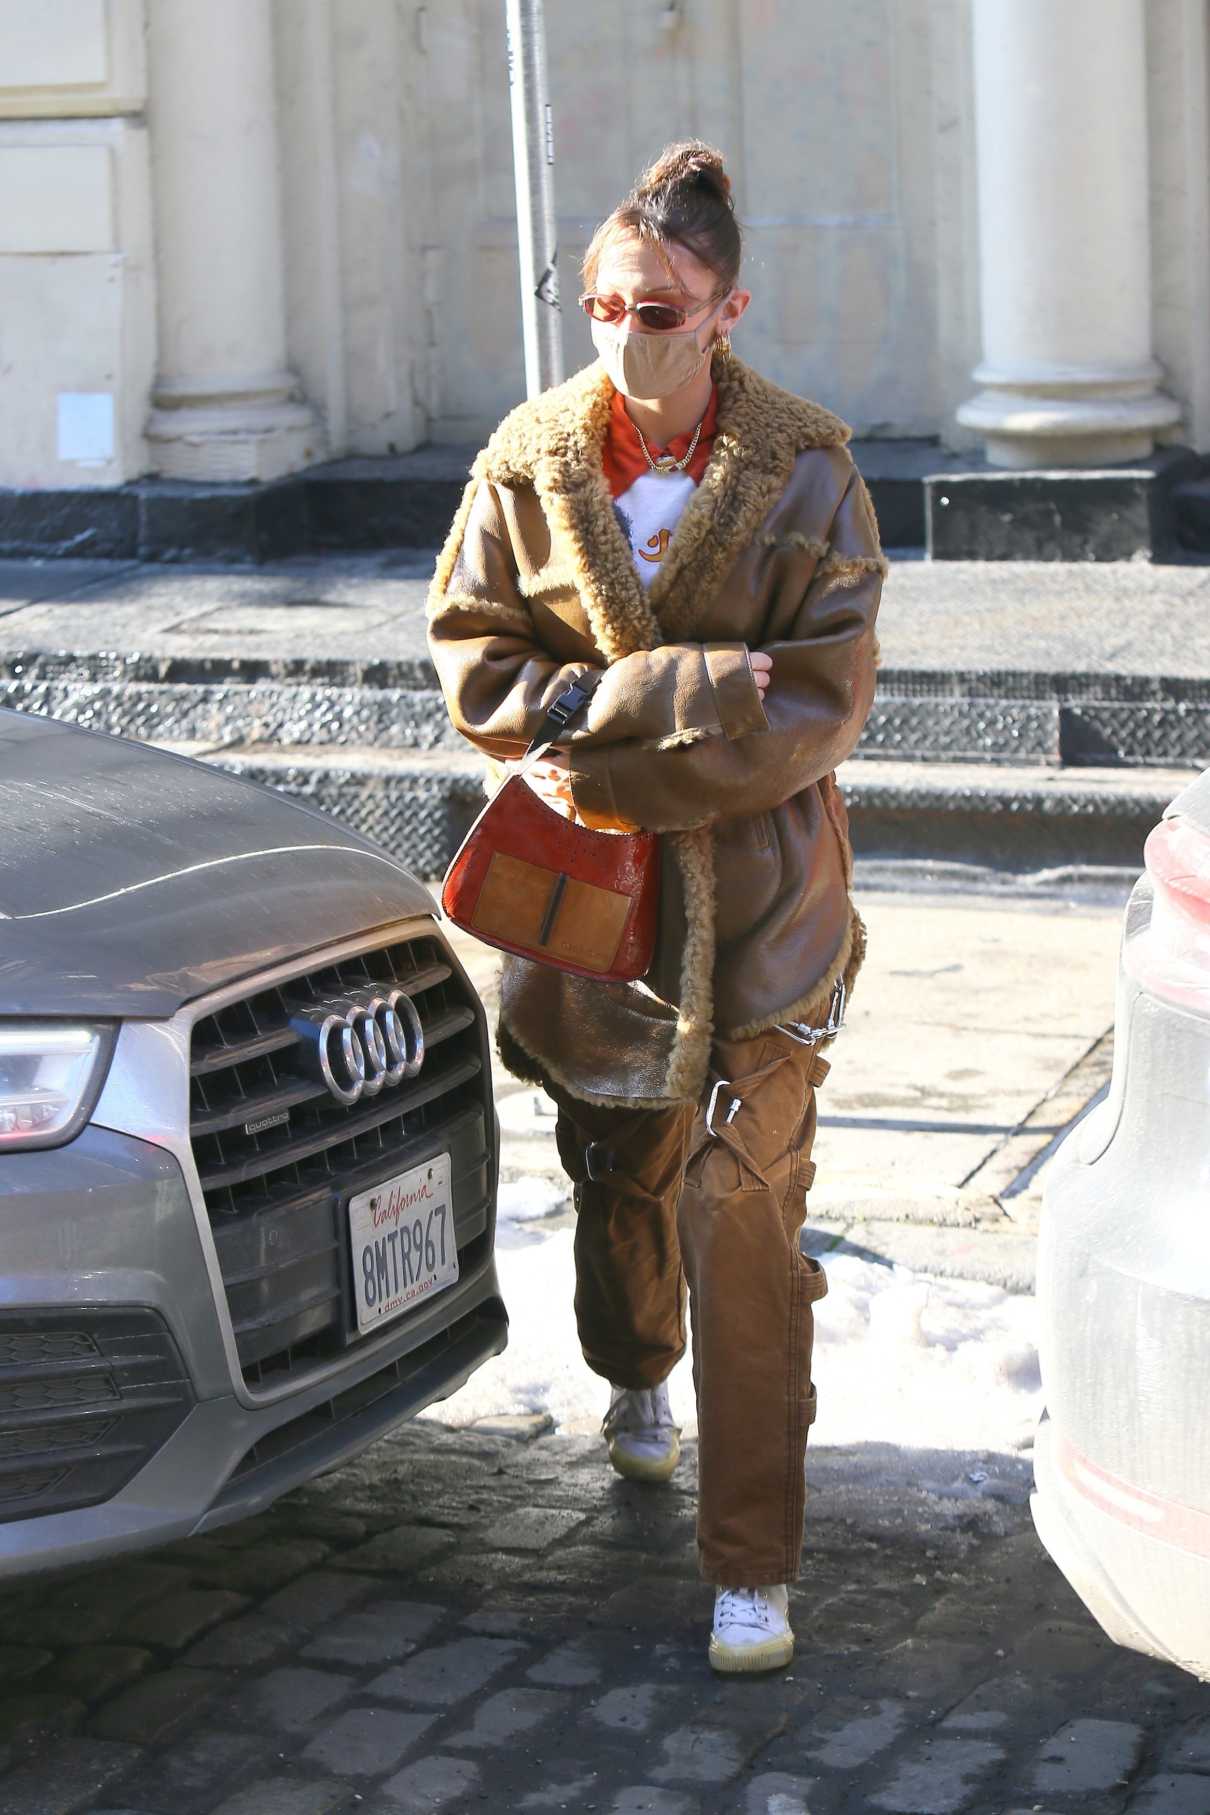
666 1199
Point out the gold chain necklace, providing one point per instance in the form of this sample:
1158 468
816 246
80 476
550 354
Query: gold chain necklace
665 463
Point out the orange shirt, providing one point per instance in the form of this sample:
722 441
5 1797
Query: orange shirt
623 454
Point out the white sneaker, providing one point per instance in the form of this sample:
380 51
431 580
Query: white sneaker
751 1629
644 1443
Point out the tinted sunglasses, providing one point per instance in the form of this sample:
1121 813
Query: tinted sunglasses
653 317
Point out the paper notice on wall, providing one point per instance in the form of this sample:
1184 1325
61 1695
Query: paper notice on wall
86 427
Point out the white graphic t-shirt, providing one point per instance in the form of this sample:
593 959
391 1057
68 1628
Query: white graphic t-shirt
649 511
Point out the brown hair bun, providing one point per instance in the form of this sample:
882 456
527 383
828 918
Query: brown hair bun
683 199
689 161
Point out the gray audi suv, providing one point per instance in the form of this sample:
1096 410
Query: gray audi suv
248 1150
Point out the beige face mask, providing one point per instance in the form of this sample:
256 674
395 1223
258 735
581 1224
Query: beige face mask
648 365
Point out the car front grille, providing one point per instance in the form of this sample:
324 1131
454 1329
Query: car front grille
279 1156
87 1396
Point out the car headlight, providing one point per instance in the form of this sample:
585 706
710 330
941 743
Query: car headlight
50 1077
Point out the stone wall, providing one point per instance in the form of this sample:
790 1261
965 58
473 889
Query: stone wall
77 298
842 122
848 126
1178 80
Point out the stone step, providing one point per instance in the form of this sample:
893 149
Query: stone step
1039 719
1191 510
927 716
303 713
1126 513
951 503
1022 820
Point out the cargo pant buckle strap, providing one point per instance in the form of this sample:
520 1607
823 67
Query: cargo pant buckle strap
599 1161
736 1104
810 1036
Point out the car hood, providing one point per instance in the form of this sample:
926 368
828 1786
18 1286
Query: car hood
132 880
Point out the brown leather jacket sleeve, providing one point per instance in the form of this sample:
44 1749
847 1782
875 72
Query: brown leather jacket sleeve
818 699
498 680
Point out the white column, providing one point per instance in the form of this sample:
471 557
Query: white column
224 405
1068 377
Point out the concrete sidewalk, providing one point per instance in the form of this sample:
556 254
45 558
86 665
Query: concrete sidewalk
980 1030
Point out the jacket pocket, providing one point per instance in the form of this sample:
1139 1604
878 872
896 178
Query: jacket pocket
745 830
762 831
814 1279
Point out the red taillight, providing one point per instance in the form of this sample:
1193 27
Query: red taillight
1177 855
1170 955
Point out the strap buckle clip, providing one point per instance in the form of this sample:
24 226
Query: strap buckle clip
569 703
598 1161
811 1036
720 1085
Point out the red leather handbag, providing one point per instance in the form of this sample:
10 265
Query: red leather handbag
536 884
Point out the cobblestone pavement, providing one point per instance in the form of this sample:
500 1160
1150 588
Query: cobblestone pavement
460 1621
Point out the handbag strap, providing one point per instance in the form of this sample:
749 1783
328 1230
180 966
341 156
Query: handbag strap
555 720
559 714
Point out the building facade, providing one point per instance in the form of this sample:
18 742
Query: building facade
239 237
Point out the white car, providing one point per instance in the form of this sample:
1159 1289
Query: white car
1122 1465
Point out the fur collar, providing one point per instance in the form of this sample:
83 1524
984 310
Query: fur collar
554 442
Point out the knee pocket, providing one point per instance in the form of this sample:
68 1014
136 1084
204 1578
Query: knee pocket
814 1281
714 1171
776 1142
772 1164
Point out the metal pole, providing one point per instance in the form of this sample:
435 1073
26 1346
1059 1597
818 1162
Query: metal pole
533 165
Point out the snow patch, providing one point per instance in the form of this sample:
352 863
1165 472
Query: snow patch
528 1200
902 1358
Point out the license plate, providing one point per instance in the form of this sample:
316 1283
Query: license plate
402 1236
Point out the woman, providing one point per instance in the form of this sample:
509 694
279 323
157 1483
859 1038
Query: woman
700 536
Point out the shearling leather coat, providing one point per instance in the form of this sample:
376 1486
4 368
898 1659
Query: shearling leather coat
776 550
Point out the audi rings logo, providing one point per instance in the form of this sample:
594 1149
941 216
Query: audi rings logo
359 1048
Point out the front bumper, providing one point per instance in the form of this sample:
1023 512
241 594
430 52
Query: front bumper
105 1227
